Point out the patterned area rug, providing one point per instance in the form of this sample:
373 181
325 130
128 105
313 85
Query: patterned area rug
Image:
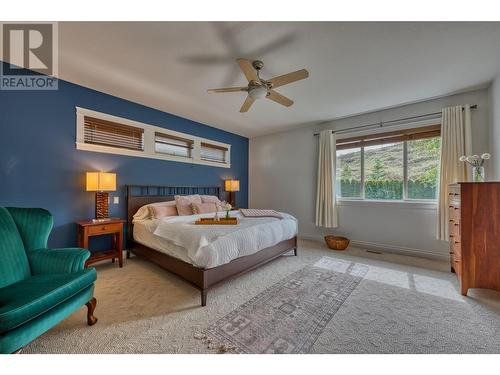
289 316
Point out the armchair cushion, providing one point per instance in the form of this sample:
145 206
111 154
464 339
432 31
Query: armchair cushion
50 261
25 300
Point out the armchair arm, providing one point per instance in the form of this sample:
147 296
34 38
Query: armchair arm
64 260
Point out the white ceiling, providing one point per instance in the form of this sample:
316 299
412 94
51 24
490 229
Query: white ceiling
354 67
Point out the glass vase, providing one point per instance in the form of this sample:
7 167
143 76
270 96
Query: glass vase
478 174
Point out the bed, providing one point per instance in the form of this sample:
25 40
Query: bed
202 274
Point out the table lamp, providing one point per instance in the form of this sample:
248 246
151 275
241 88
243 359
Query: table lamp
232 186
101 183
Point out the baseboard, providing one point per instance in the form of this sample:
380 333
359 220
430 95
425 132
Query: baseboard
384 248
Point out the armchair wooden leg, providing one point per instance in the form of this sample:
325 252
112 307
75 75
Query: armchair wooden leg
91 319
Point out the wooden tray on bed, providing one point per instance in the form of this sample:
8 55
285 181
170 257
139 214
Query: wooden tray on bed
221 221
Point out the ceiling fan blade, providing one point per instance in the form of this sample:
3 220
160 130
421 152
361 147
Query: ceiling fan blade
289 78
247 104
278 98
228 89
247 69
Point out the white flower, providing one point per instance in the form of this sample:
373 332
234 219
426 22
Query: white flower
463 158
485 156
469 159
475 157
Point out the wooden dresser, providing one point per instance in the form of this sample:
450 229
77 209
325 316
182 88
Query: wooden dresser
475 234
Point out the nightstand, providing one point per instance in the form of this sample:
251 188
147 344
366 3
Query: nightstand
89 228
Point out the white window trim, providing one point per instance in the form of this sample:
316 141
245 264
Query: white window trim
149 141
408 202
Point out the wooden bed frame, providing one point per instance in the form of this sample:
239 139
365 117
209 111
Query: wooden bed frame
200 278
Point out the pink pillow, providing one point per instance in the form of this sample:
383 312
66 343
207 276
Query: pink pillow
203 208
212 199
183 203
161 211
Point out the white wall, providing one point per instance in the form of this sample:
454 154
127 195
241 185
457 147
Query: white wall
495 129
283 177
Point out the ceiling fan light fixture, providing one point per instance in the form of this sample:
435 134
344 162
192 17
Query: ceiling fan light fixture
259 88
258 92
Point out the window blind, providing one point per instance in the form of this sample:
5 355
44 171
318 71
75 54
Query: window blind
172 145
389 137
112 134
215 153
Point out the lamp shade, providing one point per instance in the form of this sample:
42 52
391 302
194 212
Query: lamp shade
101 181
232 185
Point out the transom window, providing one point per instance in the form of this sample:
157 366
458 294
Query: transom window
172 145
399 165
101 132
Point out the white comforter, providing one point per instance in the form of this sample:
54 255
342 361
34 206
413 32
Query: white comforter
213 245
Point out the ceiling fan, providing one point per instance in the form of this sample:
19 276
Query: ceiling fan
259 88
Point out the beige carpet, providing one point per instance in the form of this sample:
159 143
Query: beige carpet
407 305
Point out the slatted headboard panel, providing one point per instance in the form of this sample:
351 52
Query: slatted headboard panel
140 195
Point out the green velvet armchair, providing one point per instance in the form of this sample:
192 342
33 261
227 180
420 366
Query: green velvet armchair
39 287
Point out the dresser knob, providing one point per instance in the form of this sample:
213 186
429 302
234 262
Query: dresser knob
104 228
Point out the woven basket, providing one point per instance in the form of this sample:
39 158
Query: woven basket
337 242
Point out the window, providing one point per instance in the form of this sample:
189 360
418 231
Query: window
169 144
399 165
108 133
100 132
384 171
423 168
349 172
213 153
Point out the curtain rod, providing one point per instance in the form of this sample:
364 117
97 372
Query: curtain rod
384 123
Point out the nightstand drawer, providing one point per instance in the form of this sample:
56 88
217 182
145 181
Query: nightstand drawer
104 228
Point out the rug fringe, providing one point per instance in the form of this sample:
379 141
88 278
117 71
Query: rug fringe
222 346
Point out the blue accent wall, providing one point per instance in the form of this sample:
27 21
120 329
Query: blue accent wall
41 167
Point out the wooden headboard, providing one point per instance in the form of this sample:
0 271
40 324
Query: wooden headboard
140 195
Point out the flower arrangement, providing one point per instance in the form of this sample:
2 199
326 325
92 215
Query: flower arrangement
477 163
226 207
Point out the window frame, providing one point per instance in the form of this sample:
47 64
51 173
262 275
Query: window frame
149 141
405 198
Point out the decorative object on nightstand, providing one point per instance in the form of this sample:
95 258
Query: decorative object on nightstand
90 228
101 183
232 186
337 242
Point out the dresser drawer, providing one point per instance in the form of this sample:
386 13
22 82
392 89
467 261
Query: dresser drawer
456 249
454 214
457 265
454 199
454 229
104 228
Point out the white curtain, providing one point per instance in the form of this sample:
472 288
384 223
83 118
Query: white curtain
326 208
455 142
